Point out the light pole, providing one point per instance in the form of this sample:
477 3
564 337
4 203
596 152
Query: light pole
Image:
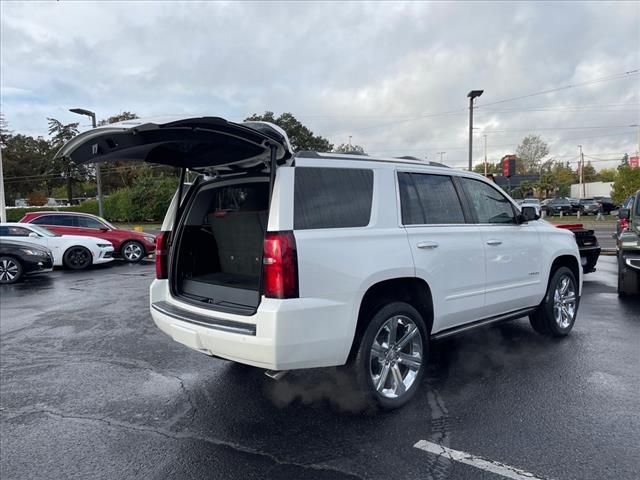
3 207
89 113
472 94
441 156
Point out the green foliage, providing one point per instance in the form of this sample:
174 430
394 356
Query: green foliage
352 149
494 168
27 167
530 153
301 137
120 117
146 202
607 175
627 183
589 173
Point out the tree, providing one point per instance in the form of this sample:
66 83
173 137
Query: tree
5 133
27 166
589 173
530 152
352 149
120 117
72 173
494 168
301 137
118 174
627 183
624 161
607 174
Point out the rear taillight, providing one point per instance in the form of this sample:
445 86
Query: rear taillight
280 265
162 255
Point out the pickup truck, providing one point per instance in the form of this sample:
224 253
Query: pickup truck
628 246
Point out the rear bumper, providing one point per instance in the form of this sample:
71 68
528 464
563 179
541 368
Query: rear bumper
281 335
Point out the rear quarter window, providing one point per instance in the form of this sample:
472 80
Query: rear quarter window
332 197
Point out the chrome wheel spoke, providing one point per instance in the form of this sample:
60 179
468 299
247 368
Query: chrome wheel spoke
382 379
411 361
398 381
378 351
411 332
393 330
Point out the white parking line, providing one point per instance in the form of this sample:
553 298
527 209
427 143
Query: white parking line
478 462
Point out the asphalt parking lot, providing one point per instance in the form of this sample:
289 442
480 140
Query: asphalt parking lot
89 388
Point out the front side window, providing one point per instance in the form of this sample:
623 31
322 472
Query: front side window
88 222
489 204
332 197
427 199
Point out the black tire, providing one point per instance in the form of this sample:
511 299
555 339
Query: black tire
132 251
544 320
77 258
403 362
11 270
628 281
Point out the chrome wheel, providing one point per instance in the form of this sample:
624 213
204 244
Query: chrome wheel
396 356
132 251
564 302
9 270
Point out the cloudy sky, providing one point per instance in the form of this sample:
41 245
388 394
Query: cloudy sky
392 75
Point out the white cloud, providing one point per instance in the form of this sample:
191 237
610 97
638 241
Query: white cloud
371 70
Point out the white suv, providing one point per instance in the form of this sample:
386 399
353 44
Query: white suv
286 261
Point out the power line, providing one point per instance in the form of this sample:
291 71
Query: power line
608 78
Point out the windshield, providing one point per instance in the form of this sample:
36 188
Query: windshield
43 231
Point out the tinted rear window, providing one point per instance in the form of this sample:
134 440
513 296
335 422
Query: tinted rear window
429 199
332 197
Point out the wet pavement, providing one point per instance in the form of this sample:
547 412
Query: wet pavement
89 388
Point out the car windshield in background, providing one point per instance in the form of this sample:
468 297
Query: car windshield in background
43 231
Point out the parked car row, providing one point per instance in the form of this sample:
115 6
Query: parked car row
573 206
43 240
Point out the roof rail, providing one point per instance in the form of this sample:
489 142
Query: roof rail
366 158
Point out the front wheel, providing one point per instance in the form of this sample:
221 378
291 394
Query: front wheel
557 313
391 358
628 280
10 270
77 258
132 251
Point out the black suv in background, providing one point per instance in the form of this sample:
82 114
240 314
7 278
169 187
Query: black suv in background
588 206
607 204
555 206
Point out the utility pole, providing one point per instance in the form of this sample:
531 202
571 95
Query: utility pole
3 207
441 155
349 142
472 94
581 192
88 113
485 155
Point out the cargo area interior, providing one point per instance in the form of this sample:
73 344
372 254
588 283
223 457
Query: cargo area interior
220 246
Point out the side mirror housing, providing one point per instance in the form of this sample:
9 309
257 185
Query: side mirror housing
623 213
34 235
104 229
529 214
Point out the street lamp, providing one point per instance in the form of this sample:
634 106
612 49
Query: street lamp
472 94
89 113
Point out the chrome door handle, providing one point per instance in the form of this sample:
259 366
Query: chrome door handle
428 245
494 242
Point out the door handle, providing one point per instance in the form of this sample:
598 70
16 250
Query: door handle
494 242
428 245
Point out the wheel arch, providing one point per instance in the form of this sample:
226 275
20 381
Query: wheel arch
571 263
412 290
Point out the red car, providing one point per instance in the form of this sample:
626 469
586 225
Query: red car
130 246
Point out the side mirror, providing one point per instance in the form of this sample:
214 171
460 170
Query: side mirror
104 229
34 235
529 214
623 213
